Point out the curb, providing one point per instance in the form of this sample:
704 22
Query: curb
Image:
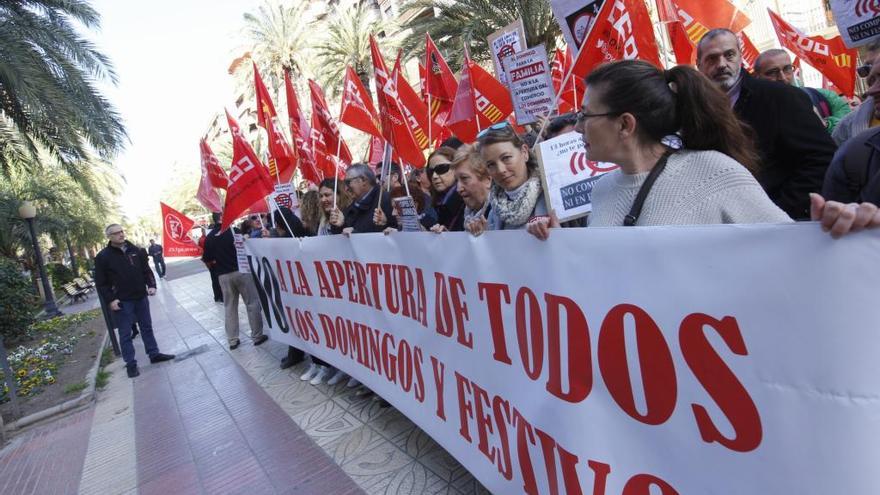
86 396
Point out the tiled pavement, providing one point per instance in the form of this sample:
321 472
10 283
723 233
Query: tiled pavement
224 421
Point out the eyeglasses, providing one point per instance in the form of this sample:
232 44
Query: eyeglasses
787 70
582 115
864 70
439 169
493 127
116 233
349 180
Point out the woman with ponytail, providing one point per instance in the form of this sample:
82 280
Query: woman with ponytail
684 157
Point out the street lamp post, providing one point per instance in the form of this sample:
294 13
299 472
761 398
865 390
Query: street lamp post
28 211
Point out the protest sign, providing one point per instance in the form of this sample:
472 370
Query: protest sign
857 20
285 196
568 176
575 18
531 88
666 360
407 214
506 41
241 253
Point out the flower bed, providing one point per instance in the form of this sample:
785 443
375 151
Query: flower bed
35 365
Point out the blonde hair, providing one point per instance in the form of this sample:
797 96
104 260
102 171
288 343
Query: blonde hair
468 155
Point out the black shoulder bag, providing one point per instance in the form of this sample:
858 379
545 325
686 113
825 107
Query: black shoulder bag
636 210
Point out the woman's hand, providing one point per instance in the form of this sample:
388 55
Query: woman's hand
437 228
477 226
540 227
840 219
348 231
337 219
379 217
389 230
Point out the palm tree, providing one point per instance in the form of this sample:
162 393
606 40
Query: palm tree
470 22
348 43
278 42
48 98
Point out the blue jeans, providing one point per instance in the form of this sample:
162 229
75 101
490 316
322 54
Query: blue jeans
131 312
159 263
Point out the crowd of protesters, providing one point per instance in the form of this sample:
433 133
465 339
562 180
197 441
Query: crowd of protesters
713 144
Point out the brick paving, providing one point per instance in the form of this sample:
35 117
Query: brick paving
218 422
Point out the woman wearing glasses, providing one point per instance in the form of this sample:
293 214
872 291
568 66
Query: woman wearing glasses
447 202
516 195
633 114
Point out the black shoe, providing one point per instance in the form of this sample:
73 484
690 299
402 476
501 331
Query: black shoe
291 361
132 371
158 358
259 340
134 333
234 346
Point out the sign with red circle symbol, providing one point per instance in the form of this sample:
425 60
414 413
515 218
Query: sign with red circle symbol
285 196
175 234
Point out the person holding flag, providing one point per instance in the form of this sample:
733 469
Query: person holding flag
361 184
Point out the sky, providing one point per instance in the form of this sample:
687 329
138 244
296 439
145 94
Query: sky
171 60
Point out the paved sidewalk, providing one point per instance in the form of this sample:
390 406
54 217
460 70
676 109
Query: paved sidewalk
220 421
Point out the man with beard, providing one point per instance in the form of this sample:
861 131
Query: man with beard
795 149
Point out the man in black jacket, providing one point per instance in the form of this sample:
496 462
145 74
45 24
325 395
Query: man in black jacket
124 278
794 147
358 217
854 174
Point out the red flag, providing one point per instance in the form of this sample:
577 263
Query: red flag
249 181
699 16
569 100
206 194
480 96
324 122
175 234
211 166
301 133
377 149
413 107
357 106
749 52
282 163
439 82
623 30
395 129
831 57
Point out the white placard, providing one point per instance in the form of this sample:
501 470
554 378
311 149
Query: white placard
407 214
285 196
241 253
568 176
857 20
729 359
575 18
505 42
531 87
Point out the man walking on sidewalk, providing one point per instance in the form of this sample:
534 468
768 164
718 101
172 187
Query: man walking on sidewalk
220 253
156 252
124 278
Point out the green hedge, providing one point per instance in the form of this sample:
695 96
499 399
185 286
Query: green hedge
18 302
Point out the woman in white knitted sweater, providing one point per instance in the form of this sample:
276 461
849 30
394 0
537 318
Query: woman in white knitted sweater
638 116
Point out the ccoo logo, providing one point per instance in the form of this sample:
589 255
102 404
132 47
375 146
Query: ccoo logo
579 162
174 226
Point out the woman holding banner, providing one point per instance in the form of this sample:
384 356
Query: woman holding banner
684 157
473 184
447 202
516 195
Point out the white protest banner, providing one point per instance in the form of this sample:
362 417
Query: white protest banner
407 214
857 20
504 42
567 176
575 18
241 253
531 88
735 359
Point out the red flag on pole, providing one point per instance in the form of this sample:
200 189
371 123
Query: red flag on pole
211 166
688 20
301 133
282 163
357 107
480 102
831 57
395 128
249 181
324 122
206 194
569 100
413 107
439 82
623 31
175 234
749 52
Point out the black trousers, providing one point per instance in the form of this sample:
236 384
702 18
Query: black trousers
215 284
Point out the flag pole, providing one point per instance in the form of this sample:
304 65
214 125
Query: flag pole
429 70
336 169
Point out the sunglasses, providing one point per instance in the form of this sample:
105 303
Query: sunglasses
864 70
439 169
494 127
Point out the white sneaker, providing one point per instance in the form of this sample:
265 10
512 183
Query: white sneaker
336 378
352 383
320 376
310 373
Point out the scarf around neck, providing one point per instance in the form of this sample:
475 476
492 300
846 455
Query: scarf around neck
516 211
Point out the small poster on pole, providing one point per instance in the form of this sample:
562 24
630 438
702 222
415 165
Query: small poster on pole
240 253
505 42
285 196
568 177
575 18
407 214
531 87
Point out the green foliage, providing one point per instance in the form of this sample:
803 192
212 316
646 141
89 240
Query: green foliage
75 387
102 378
107 356
59 274
18 302
55 326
